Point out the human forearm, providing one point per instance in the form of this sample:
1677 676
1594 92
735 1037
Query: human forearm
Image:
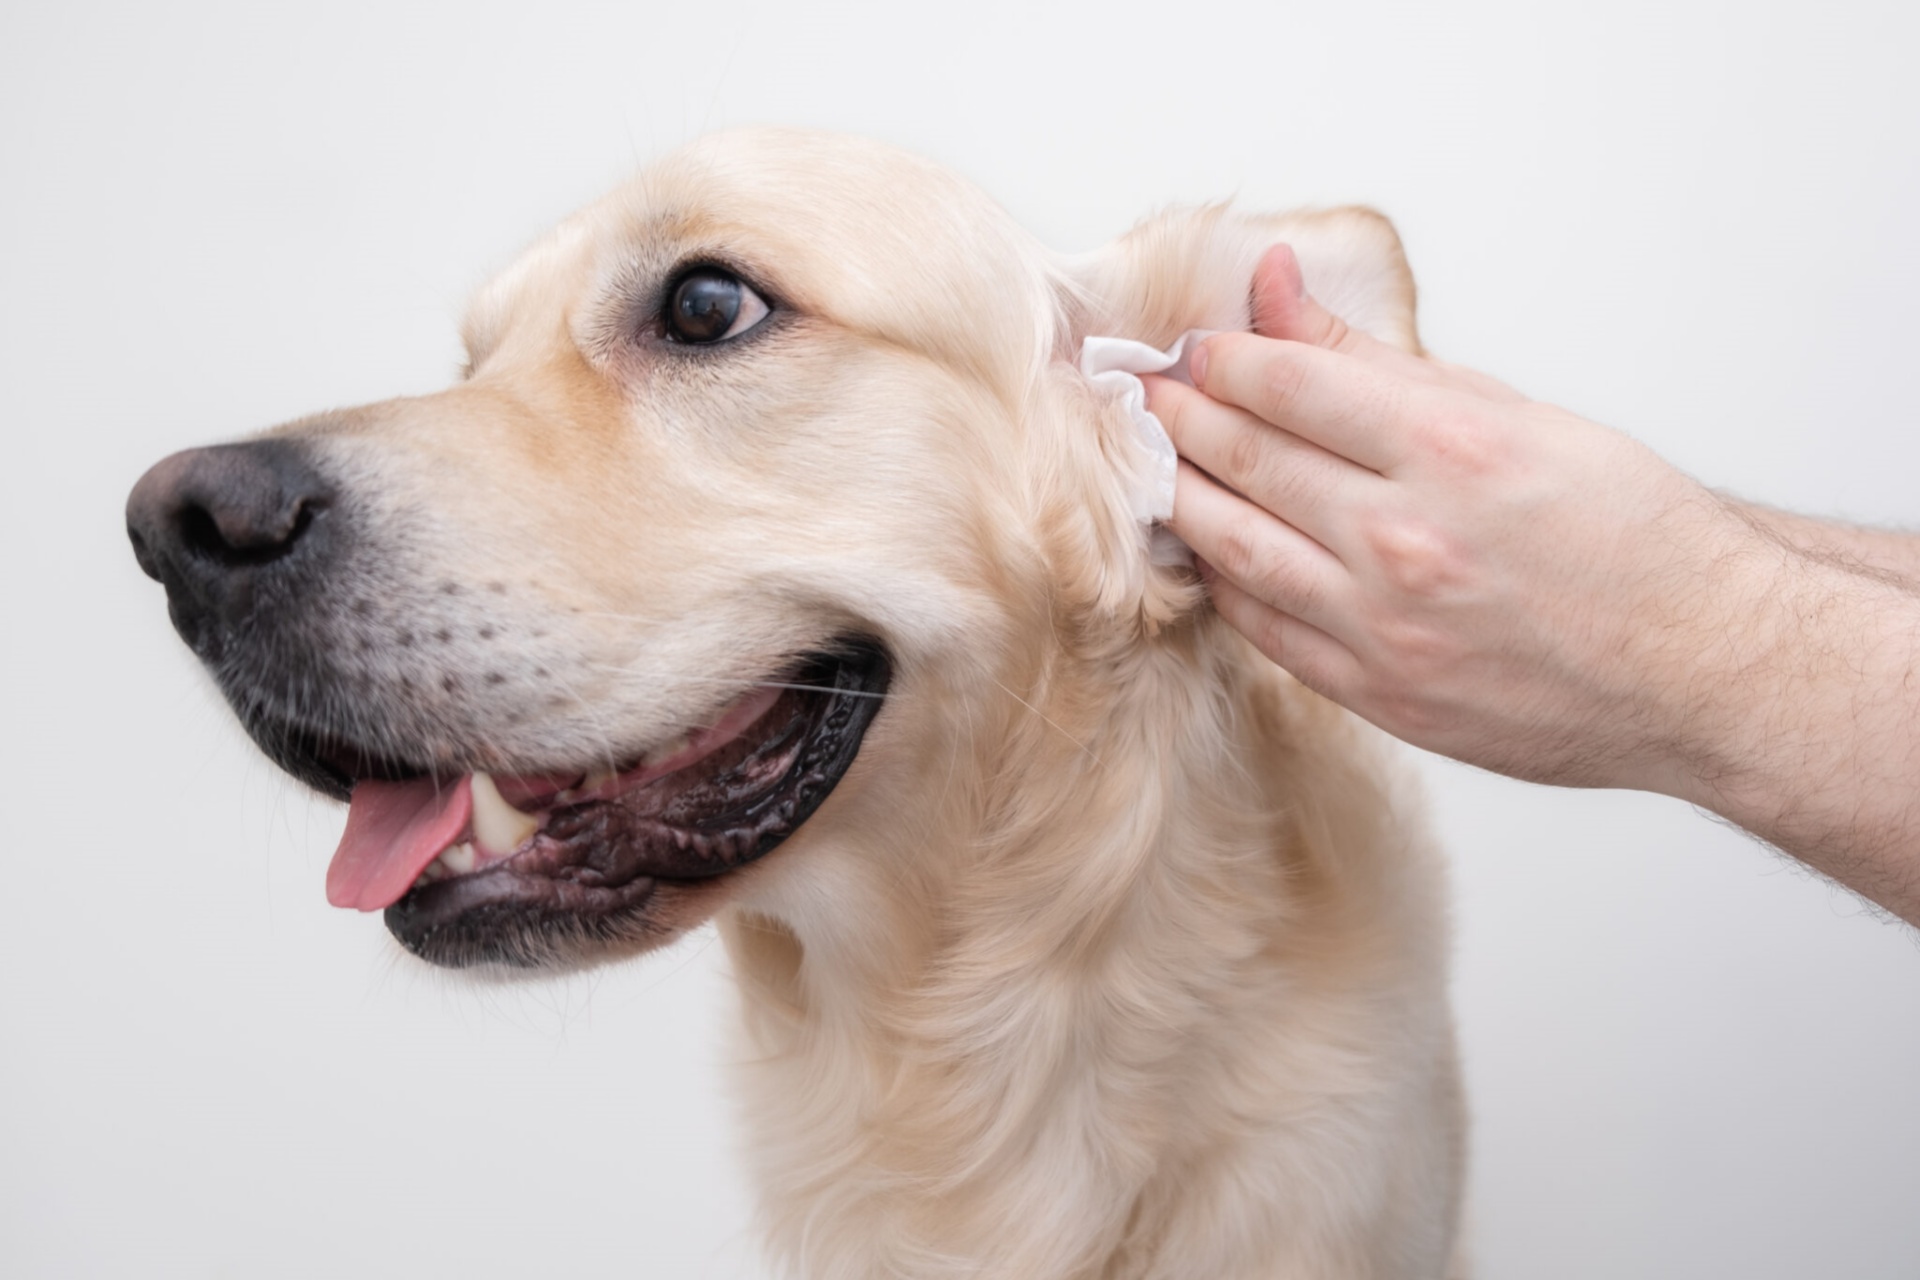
1804 726
1893 551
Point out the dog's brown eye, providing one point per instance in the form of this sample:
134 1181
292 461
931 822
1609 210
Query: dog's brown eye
711 306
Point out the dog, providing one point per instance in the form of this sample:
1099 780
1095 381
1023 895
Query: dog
771 563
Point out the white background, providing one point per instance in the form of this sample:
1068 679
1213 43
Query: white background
1694 221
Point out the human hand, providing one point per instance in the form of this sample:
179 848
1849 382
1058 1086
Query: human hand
1491 578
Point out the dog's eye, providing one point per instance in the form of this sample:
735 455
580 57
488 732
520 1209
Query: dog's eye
710 305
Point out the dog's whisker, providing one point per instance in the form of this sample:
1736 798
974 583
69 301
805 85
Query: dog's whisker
1084 748
649 678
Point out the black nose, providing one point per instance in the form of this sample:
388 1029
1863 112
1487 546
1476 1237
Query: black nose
215 524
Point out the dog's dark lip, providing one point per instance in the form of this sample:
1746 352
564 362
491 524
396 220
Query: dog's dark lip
343 764
590 874
329 763
332 763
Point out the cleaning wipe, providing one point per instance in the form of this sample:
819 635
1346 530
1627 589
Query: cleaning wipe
1115 366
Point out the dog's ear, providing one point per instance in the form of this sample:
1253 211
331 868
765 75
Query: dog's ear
1193 269
1190 269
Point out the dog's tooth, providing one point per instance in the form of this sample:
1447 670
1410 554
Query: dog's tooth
670 748
595 780
457 860
498 827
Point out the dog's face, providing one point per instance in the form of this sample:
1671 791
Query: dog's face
737 453
767 479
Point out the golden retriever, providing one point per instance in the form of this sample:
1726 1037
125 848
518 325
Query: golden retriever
773 563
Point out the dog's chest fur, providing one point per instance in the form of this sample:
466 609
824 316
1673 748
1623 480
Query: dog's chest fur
1160 1026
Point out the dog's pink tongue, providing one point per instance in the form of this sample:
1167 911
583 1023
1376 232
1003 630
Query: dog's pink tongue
394 830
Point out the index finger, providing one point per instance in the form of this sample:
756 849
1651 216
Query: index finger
1342 404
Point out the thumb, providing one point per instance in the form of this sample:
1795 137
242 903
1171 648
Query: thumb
1282 309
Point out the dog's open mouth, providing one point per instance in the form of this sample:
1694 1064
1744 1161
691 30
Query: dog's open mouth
481 867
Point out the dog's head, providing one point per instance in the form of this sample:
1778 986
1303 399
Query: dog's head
767 488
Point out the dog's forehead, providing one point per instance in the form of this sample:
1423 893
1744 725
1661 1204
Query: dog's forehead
864 235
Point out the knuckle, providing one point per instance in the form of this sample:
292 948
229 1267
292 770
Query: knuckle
1247 455
1407 712
1171 409
1420 651
1264 569
1277 636
1464 442
1277 476
1271 639
1237 554
1336 334
1282 583
1414 558
1282 380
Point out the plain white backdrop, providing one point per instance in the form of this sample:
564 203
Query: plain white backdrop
1695 221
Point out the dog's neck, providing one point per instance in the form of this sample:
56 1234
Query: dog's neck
1041 1052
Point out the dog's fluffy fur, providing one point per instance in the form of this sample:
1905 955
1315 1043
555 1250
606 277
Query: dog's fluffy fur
1117 953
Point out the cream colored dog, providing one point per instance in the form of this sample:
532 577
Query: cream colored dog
773 564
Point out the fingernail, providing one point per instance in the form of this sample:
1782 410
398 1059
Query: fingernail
1299 276
1197 366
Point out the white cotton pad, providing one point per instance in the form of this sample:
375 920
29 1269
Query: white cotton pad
1115 365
